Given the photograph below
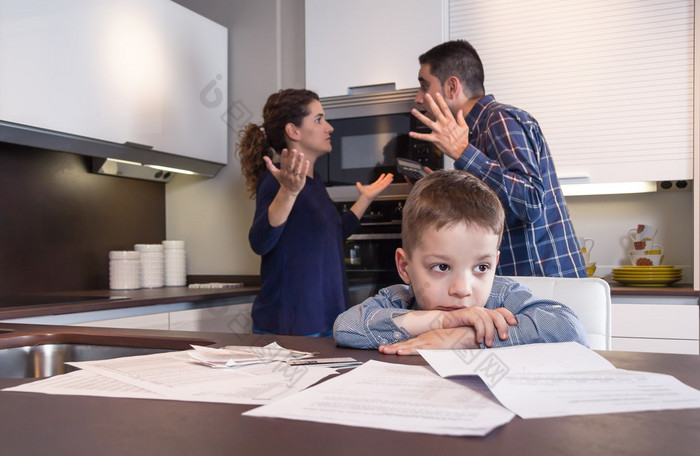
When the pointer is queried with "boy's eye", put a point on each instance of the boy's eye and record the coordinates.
(483, 268)
(442, 267)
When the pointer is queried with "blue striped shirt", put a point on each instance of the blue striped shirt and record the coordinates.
(371, 323)
(508, 151)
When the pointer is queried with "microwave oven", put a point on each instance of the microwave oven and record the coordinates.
(370, 131)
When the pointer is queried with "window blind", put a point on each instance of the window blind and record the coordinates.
(610, 82)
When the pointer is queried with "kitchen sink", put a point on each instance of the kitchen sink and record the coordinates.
(45, 355)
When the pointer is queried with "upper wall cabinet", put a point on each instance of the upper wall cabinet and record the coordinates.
(368, 42)
(147, 73)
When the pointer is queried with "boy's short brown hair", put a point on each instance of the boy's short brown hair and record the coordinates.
(447, 198)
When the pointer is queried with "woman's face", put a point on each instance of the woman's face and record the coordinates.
(315, 131)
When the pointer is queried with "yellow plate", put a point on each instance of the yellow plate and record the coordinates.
(663, 271)
(648, 282)
(616, 277)
(647, 274)
(647, 271)
(668, 271)
(650, 268)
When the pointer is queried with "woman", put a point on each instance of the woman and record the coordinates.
(297, 230)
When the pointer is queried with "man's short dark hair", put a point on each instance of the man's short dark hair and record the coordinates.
(457, 58)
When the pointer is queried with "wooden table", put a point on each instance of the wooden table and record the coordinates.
(46, 424)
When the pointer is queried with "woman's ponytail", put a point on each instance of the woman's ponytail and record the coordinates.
(253, 146)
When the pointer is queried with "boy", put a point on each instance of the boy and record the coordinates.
(451, 231)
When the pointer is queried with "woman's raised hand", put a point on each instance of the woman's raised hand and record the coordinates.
(291, 174)
(370, 191)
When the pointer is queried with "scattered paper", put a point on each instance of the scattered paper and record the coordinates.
(84, 383)
(395, 397)
(236, 356)
(174, 375)
(547, 380)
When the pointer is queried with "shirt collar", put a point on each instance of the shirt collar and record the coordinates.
(477, 110)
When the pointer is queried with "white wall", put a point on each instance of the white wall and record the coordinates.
(266, 53)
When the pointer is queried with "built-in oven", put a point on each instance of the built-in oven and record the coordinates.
(369, 132)
(370, 251)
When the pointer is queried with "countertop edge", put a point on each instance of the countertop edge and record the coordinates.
(136, 298)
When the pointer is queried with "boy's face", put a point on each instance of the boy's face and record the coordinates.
(451, 268)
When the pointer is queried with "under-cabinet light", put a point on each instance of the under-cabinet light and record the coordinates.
(617, 188)
(173, 170)
(116, 160)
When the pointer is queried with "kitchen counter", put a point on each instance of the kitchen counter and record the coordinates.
(617, 289)
(113, 299)
(41, 424)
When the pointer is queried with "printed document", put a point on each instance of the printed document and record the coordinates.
(174, 376)
(396, 397)
(560, 379)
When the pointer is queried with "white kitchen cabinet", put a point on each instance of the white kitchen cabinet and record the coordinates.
(148, 72)
(656, 324)
(154, 321)
(228, 319)
(366, 42)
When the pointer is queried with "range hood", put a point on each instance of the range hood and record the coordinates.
(125, 160)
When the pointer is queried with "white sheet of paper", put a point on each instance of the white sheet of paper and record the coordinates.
(493, 363)
(84, 383)
(548, 380)
(172, 375)
(396, 397)
(591, 393)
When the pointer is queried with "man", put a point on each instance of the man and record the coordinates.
(504, 147)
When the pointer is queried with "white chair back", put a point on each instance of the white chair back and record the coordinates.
(588, 297)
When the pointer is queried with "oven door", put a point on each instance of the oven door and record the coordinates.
(369, 263)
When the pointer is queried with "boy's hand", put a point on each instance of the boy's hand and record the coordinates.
(484, 321)
(437, 339)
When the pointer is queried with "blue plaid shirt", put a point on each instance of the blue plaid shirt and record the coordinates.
(508, 151)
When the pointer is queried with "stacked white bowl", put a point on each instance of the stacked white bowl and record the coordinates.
(151, 265)
(175, 263)
(124, 270)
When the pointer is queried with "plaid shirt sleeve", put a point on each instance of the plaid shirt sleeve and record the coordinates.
(371, 323)
(539, 320)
